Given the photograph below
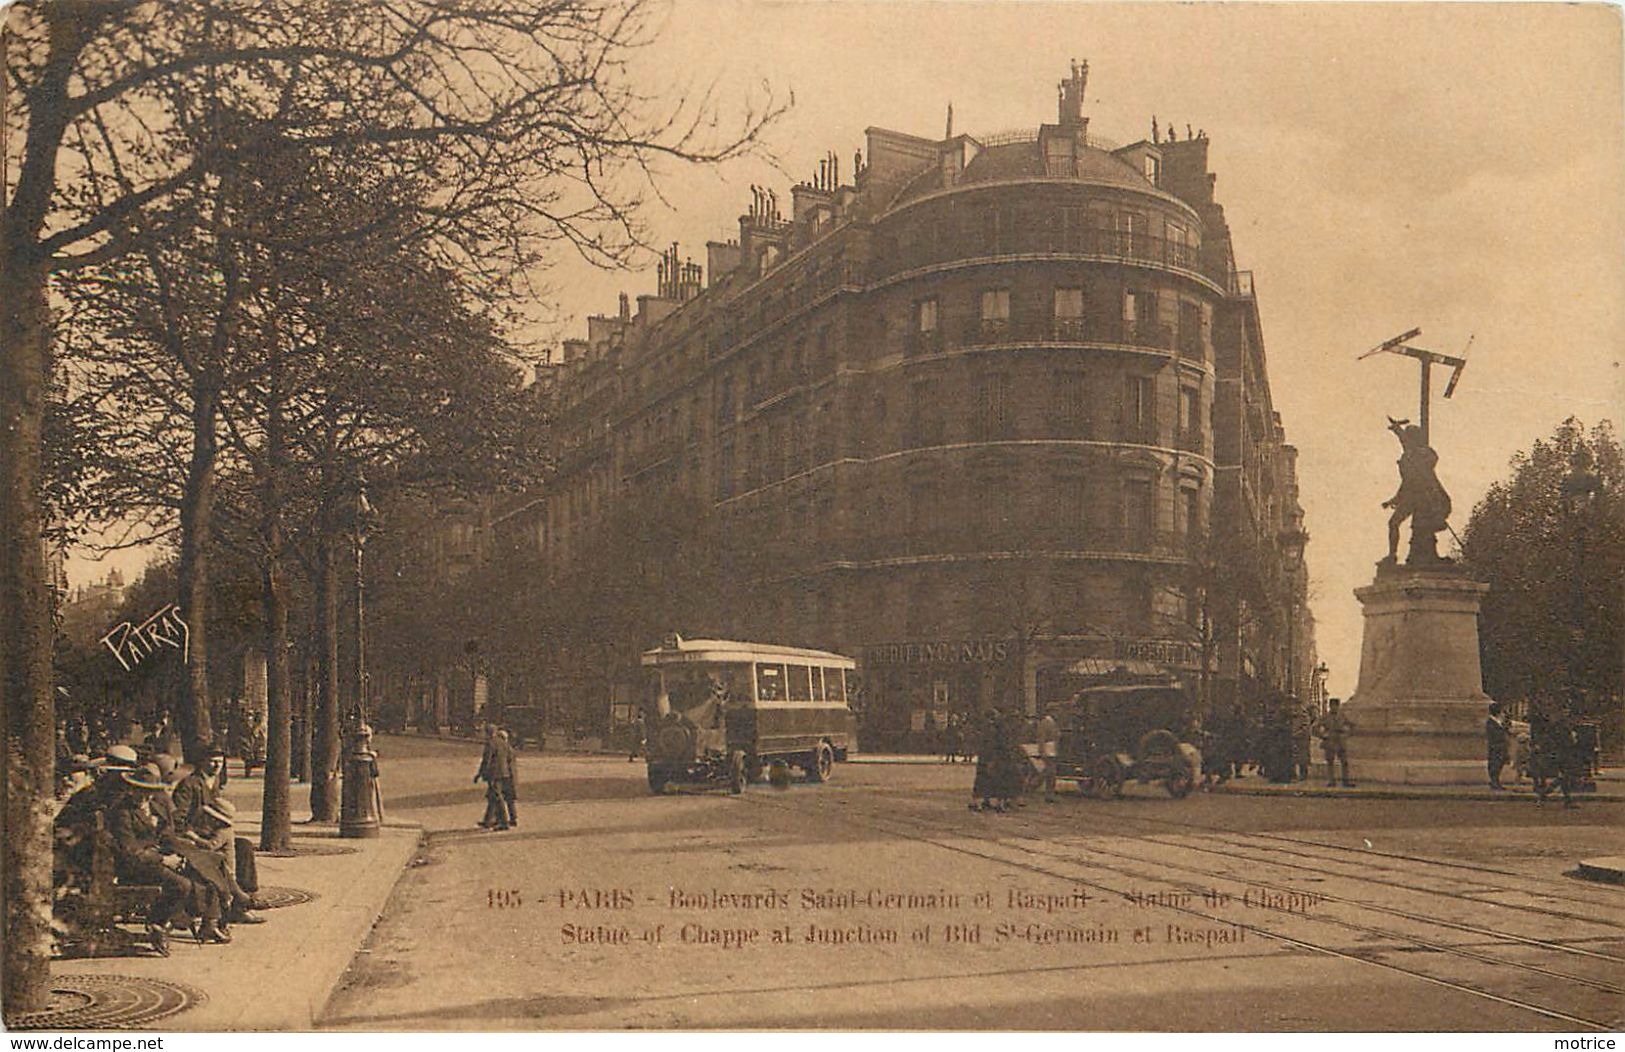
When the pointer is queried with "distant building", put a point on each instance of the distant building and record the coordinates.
(88, 611)
(969, 410)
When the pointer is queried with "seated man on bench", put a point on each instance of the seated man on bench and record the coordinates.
(138, 858)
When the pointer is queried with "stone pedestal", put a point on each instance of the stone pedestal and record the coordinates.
(1420, 706)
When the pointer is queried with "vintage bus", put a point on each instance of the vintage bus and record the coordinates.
(719, 710)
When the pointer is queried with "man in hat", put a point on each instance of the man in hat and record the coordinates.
(82, 806)
(197, 788)
(138, 858)
(1334, 730)
(492, 794)
(1495, 743)
(501, 775)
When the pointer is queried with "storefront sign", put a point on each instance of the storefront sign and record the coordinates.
(1170, 652)
(947, 652)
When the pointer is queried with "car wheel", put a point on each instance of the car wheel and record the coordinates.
(1105, 779)
(1180, 783)
(736, 772)
(823, 764)
(657, 781)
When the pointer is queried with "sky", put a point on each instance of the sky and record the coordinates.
(1453, 167)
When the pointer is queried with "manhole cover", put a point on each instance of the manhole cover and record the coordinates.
(109, 1002)
(306, 849)
(275, 898)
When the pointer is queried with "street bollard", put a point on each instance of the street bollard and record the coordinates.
(358, 810)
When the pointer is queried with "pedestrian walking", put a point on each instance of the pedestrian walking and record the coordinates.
(503, 760)
(1333, 730)
(639, 734)
(1495, 743)
(996, 775)
(492, 794)
(953, 740)
(1552, 741)
(1049, 737)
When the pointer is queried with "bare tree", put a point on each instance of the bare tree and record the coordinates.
(519, 114)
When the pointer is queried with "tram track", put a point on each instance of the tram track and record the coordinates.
(1605, 899)
(1391, 910)
(1050, 864)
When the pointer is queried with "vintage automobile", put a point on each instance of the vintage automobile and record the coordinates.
(1113, 733)
(525, 725)
(720, 711)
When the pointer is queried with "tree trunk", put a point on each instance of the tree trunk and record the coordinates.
(197, 520)
(27, 707)
(301, 725)
(276, 833)
(276, 830)
(27, 715)
(325, 739)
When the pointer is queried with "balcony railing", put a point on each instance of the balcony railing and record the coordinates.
(1047, 238)
(963, 537)
(1068, 330)
(979, 332)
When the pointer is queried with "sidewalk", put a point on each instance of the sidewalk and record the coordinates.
(280, 974)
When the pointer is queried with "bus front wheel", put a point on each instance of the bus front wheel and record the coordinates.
(823, 764)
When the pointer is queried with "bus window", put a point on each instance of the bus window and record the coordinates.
(817, 683)
(688, 687)
(837, 684)
(799, 685)
(769, 682)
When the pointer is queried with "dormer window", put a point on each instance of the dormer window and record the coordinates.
(1153, 169)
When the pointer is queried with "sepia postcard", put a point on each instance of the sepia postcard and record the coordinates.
(662, 515)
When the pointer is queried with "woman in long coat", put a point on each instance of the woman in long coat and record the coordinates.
(990, 748)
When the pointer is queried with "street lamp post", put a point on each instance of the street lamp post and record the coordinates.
(1292, 544)
(358, 805)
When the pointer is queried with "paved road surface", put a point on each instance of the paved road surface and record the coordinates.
(1211, 913)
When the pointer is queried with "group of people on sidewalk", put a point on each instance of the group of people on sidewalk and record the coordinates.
(1275, 741)
(154, 822)
(1556, 758)
(497, 771)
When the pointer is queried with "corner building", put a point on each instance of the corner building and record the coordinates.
(954, 416)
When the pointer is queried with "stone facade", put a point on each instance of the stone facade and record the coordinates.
(964, 412)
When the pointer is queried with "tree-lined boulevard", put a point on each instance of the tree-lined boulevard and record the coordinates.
(271, 279)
